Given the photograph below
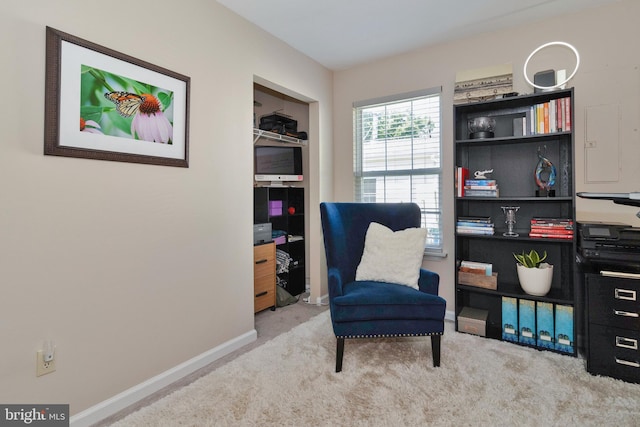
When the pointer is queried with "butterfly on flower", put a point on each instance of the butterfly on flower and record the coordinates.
(127, 104)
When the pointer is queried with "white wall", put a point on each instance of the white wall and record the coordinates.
(133, 269)
(608, 75)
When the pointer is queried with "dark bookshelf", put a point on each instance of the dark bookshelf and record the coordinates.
(513, 159)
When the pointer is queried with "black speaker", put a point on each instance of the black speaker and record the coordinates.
(544, 78)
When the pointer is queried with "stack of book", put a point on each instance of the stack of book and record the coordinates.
(481, 188)
(553, 228)
(481, 225)
(547, 117)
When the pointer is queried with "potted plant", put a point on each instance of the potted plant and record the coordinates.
(534, 275)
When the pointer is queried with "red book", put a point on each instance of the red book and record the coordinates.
(551, 230)
(462, 174)
(552, 236)
(552, 221)
(567, 118)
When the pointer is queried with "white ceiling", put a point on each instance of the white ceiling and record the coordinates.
(340, 34)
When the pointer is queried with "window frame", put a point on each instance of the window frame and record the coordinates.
(360, 177)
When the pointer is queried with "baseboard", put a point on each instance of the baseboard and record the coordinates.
(136, 393)
(322, 300)
(450, 315)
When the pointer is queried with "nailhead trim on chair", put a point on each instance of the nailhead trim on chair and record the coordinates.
(390, 335)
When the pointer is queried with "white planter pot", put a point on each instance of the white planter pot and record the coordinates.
(535, 281)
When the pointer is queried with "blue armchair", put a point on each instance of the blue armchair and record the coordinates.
(366, 309)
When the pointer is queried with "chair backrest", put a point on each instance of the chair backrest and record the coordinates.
(344, 226)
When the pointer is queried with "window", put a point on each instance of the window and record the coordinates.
(398, 155)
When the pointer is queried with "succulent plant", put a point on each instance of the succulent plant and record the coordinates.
(531, 259)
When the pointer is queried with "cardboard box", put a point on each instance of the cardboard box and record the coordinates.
(473, 321)
(510, 319)
(478, 280)
(527, 321)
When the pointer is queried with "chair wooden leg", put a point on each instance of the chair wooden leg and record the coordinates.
(339, 353)
(435, 349)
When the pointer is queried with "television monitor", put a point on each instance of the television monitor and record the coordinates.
(277, 164)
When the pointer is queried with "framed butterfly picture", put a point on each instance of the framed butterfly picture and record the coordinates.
(105, 105)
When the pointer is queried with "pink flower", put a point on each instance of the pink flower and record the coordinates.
(149, 123)
(89, 126)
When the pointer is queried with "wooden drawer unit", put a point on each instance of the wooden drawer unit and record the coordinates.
(264, 276)
(613, 324)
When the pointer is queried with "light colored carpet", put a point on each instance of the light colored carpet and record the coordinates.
(290, 381)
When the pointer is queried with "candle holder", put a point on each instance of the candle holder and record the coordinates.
(510, 220)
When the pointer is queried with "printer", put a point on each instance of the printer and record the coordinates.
(610, 243)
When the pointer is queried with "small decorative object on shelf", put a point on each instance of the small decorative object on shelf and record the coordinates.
(481, 127)
(482, 174)
(534, 275)
(546, 168)
(510, 220)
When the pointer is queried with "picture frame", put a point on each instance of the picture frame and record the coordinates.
(106, 105)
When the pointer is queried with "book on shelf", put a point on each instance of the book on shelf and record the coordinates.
(480, 182)
(482, 193)
(475, 230)
(547, 117)
(552, 226)
(558, 221)
(481, 219)
(552, 222)
(477, 267)
(551, 236)
(471, 270)
(461, 176)
(462, 223)
(551, 230)
(540, 119)
(567, 121)
(480, 187)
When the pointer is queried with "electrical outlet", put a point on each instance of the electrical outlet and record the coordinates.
(42, 367)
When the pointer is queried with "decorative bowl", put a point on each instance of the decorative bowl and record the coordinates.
(481, 127)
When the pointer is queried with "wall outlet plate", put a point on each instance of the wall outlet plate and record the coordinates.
(42, 367)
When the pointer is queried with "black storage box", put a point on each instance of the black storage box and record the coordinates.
(279, 124)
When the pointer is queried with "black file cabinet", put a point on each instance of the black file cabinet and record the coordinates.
(613, 321)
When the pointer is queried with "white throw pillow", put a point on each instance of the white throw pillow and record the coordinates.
(394, 257)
